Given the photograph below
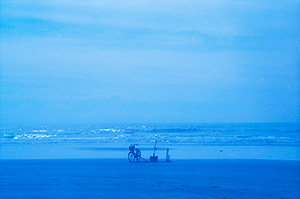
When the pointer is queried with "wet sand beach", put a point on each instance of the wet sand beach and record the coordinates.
(116, 178)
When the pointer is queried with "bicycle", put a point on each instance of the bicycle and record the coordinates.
(134, 154)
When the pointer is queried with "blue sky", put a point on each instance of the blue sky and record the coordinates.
(149, 61)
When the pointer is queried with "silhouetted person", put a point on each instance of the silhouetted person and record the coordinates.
(168, 159)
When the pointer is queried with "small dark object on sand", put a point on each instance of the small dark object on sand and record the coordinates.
(154, 158)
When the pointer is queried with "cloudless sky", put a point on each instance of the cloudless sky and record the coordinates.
(149, 61)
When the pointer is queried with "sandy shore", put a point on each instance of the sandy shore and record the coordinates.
(120, 179)
(107, 151)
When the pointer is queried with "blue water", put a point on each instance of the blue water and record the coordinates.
(89, 141)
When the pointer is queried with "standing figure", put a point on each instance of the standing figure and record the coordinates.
(168, 159)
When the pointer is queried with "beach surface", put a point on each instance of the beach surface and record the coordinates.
(116, 178)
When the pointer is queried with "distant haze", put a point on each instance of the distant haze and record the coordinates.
(149, 61)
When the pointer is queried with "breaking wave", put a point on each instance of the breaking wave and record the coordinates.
(217, 134)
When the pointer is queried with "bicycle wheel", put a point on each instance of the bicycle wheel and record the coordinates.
(131, 157)
(138, 155)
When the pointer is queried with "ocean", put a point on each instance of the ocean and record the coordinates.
(186, 141)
